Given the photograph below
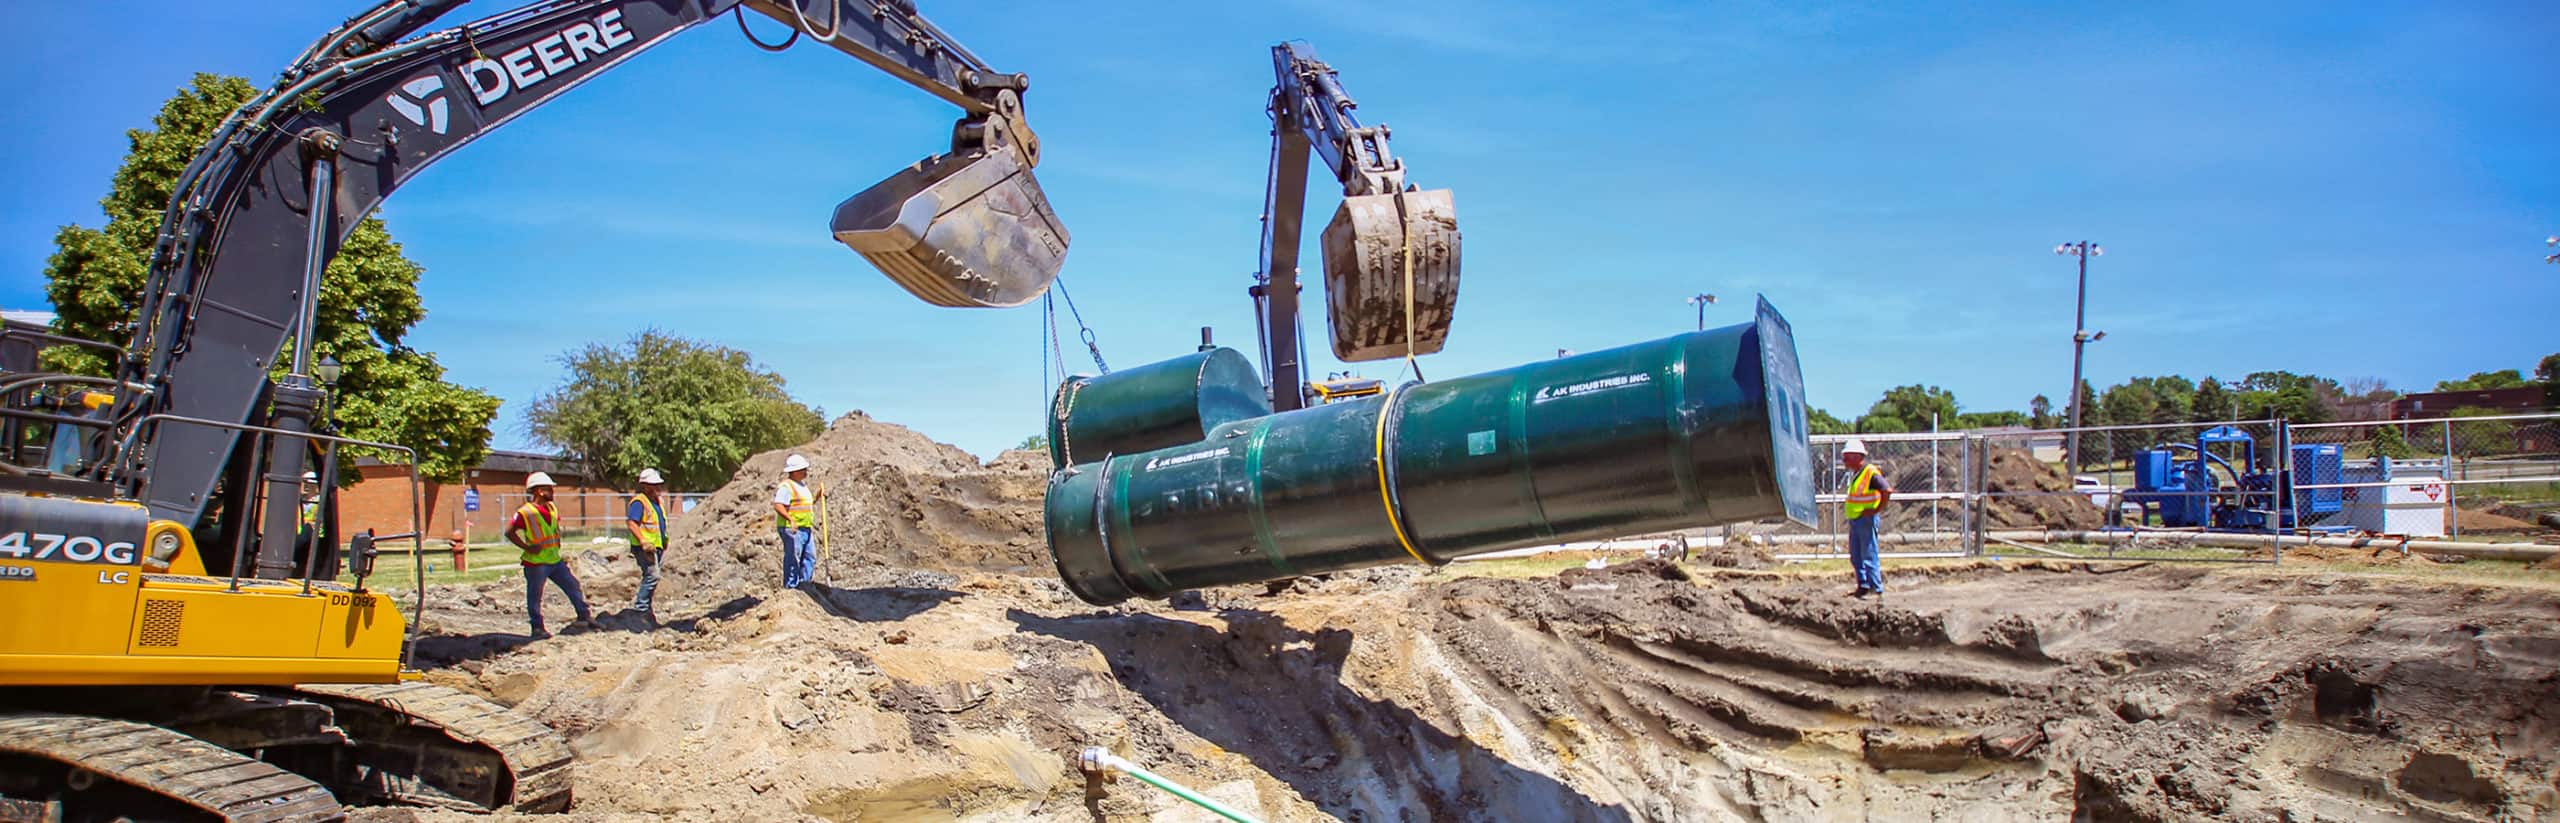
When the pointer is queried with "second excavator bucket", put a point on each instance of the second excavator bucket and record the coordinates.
(1367, 249)
(959, 230)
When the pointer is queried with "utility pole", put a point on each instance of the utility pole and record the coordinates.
(1701, 301)
(2080, 338)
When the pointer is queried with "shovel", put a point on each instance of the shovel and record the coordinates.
(1391, 273)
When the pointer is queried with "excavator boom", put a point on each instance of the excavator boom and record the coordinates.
(1390, 251)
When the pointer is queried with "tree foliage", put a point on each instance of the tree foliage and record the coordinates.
(1913, 408)
(2548, 373)
(1037, 443)
(2040, 412)
(368, 297)
(2486, 380)
(1822, 422)
(694, 411)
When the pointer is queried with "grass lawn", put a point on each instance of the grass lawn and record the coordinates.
(395, 571)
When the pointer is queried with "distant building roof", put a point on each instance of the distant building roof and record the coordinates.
(2441, 403)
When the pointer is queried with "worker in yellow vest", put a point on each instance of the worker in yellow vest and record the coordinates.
(795, 517)
(1868, 494)
(646, 518)
(535, 530)
(310, 512)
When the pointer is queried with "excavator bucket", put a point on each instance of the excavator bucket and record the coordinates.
(1380, 250)
(963, 231)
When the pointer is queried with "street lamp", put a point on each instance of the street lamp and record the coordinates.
(1702, 301)
(328, 370)
(2080, 338)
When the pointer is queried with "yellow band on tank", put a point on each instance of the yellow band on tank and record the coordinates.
(1395, 520)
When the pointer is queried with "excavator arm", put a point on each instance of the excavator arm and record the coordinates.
(258, 213)
(1390, 252)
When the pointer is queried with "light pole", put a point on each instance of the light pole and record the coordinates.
(2080, 338)
(1702, 301)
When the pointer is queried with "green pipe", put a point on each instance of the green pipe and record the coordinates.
(1097, 760)
(1693, 430)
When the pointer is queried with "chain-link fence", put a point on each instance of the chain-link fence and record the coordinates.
(2234, 491)
(2430, 478)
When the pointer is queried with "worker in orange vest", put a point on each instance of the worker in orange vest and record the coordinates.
(1868, 493)
(646, 518)
(535, 530)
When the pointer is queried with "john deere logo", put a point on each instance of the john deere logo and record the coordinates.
(422, 100)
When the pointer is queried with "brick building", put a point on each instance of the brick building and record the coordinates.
(2522, 400)
(379, 498)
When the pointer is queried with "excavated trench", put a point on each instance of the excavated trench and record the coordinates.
(2025, 692)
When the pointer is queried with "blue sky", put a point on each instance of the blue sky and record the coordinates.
(2346, 189)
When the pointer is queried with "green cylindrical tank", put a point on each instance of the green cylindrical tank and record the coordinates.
(1152, 406)
(1693, 430)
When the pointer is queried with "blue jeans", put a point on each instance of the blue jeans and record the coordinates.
(648, 559)
(535, 575)
(1865, 554)
(799, 556)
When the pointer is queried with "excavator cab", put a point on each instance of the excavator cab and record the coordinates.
(1390, 260)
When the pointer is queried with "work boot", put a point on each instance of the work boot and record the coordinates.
(539, 633)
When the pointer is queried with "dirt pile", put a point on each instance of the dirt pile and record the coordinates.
(2026, 493)
(2477, 521)
(895, 499)
(1641, 691)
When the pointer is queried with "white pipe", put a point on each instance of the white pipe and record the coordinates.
(1097, 760)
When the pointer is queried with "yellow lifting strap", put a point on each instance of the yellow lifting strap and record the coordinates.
(1395, 519)
(1404, 221)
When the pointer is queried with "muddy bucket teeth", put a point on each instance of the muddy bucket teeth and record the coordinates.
(1365, 247)
(971, 231)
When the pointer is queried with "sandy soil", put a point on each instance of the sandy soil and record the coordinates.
(939, 673)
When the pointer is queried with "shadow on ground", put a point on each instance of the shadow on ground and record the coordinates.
(883, 604)
(1275, 694)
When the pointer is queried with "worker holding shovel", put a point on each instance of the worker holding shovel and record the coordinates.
(795, 508)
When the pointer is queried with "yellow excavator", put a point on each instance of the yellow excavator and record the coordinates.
(172, 641)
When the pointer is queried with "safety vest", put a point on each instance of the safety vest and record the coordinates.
(799, 514)
(310, 515)
(541, 530)
(1863, 497)
(653, 528)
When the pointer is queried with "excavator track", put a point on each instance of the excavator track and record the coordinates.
(105, 769)
(429, 745)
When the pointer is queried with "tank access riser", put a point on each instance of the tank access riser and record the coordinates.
(138, 768)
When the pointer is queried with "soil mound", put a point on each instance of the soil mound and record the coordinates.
(895, 498)
(2027, 493)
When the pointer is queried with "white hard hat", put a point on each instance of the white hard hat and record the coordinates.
(309, 477)
(1856, 447)
(795, 463)
(649, 477)
(538, 480)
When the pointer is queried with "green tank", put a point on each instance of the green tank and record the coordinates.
(1693, 430)
(1152, 406)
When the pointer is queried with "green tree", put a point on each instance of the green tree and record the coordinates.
(2485, 437)
(1991, 420)
(2388, 442)
(694, 411)
(2480, 381)
(2040, 412)
(1821, 422)
(2299, 398)
(368, 297)
(2212, 403)
(1037, 443)
(1911, 409)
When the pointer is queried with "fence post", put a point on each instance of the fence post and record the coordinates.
(2453, 508)
(2278, 509)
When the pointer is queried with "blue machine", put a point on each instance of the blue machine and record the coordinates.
(2218, 483)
